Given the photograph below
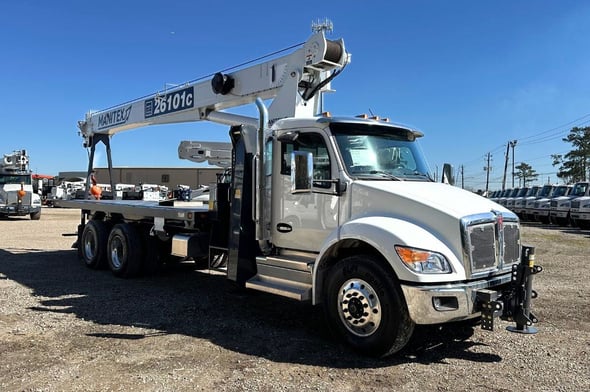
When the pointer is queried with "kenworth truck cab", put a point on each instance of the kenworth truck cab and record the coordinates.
(17, 197)
(340, 212)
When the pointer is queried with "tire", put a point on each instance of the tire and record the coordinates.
(92, 245)
(36, 215)
(361, 282)
(124, 251)
(562, 222)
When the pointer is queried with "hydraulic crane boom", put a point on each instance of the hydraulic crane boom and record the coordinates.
(293, 81)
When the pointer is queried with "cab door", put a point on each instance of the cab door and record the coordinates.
(303, 220)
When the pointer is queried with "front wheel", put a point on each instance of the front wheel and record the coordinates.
(363, 304)
(583, 224)
(36, 215)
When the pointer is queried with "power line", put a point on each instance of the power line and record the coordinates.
(530, 140)
(557, 127)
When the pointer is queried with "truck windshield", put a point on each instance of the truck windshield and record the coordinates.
(559, 191)
(380, 152)
(14, 179)
(579, 189)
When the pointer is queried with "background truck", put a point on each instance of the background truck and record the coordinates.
(529, 203)
(561, 206)
(580, 206)
(340, 212)
(542, 206)
(17, 197)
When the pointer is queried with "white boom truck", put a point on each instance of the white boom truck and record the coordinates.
(339, 212)
(16, 187)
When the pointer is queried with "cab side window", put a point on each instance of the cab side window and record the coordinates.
(314, 143)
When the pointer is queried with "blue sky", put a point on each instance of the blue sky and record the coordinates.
(471, 75)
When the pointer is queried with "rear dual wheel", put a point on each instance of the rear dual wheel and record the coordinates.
(124, 250)
(92, 244)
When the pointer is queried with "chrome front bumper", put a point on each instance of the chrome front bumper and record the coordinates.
(13, 210)
(449, 302)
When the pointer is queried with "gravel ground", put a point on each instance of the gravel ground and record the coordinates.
(64, 327)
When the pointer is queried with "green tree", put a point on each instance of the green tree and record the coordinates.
(525, 173)
(575, 165)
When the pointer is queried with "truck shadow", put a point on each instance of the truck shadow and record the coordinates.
(183, 301)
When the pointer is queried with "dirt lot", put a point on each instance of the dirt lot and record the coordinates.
(64, 327)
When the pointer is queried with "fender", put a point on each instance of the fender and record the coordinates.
(382, 233)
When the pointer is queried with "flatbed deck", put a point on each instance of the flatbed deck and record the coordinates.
(176, 209)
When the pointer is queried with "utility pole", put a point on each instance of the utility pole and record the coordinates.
(462, 177)
(506, 167)
(512, 144)
(487, 168)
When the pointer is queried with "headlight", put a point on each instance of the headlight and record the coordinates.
(564, 205)
(585, 206)
(423, 261)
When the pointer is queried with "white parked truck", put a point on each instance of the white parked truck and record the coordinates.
(542, 206)
(17, 197)
(529, 203)
(561, 206)
(336, 211)
(580, 207)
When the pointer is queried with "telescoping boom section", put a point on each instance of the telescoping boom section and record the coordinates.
(293, 82)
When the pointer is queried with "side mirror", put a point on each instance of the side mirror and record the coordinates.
(301, 172)
(447, 174)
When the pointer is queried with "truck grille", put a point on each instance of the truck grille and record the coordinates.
(491, 243)
(482, 241)
(553, 203)
(11, 198)
(575, 204)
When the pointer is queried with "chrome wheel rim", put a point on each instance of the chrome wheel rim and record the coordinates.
(116, 252)
(359, 307)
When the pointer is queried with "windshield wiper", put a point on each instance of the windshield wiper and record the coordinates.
(418, 174)
(372, 174)
(385, 174)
